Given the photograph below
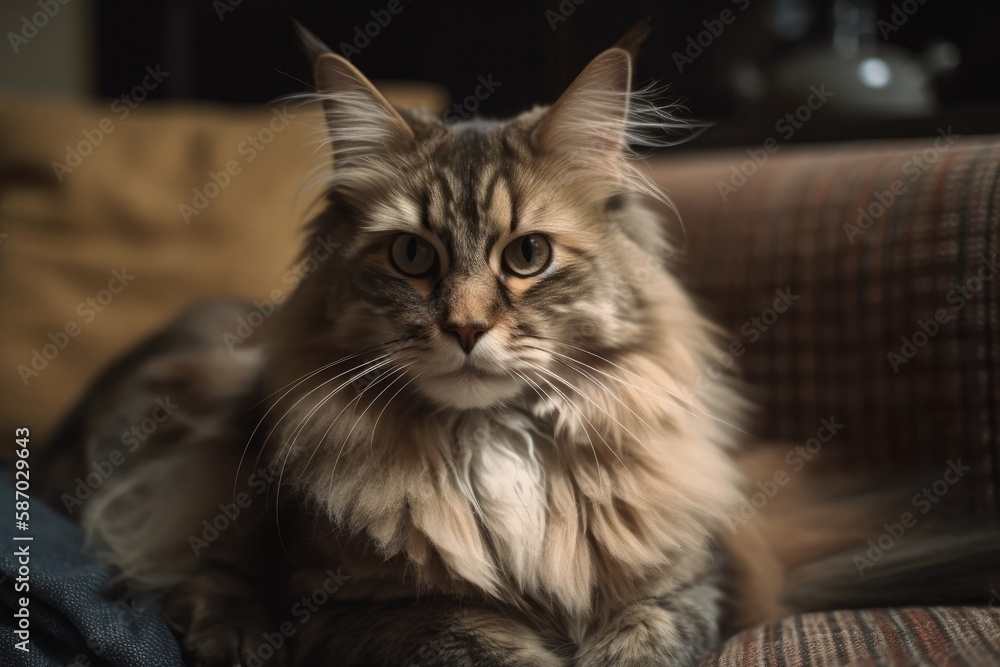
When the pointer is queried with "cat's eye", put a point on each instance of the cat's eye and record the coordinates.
(412, 255)
(527, 256)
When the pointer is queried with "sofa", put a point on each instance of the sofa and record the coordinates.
(854, 284)
(889, 251)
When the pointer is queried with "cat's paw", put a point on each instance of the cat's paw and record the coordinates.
(420, 635)
(647, 634)
(223, 632)
(229, 645)
(481, 649)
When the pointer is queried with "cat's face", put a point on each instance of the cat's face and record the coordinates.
(480, 255)
(483, 264)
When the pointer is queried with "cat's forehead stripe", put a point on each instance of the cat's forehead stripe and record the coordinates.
(425, 209)
(467, 195)
(470, 196)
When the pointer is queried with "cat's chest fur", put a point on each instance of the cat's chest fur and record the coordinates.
(500, 462)
(461, 504)
(503, 503)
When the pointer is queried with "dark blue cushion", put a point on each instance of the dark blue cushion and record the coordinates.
(77, 616)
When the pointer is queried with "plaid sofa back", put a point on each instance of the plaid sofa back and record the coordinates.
(858, 285)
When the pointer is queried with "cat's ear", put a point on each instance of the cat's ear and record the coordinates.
(591, 117)
(359, 119)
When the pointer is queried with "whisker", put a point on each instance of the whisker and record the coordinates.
(382, 361)
(325, 366)
(609, 393)
(298, 429)
(375, 426)
(302, 424)
(291, 387)
(541, 392)
(293, 436)
(594, 403)
(619, 367)
(322, 438)
(271, 432)
(631, 372)
(402, 373)
(580, 413)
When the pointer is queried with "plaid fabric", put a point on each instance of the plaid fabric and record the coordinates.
(889, 252)
(942, 637)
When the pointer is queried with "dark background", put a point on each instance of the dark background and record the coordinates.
(248, 53)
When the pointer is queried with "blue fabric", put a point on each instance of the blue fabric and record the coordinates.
(76, 619)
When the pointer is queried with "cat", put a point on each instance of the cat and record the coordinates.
(469, 429)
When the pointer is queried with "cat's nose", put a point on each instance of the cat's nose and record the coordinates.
(467, 334)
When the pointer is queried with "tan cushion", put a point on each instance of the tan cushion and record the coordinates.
(92, 263)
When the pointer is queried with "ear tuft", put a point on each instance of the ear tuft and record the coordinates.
(313, 45)
(637, 35)
(592, 115)
(590, 130)
(360, 121)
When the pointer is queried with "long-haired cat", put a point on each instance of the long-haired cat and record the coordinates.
(470, 429)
